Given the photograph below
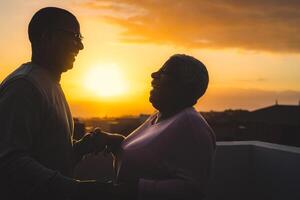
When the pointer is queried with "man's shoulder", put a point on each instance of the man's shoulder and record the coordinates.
(20, 79)
(35, 75)
(20, 92)
(21, 72)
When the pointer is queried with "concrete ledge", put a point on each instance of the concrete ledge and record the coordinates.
(262, 144)
(255, 170)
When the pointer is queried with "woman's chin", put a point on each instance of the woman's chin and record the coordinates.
(153, 102)
(151, 99)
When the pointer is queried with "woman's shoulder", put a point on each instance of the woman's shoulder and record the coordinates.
(193, 121)
(191, 115)
(198, 126)
(185, 121)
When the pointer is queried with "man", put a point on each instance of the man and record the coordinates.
(37, 153)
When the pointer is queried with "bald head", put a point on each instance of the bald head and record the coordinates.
(55, 39)
(47, 19)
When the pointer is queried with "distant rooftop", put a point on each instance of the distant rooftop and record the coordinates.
(277, 114)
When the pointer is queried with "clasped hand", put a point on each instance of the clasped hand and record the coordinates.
(97, 141)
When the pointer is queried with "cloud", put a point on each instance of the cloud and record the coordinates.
(263, 25)
(252, 80)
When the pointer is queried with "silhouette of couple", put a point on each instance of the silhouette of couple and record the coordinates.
(168, 157)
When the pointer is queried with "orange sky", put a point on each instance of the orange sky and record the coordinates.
(251, 49)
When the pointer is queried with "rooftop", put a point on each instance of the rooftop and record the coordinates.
(243, 170)
(277, 114)
(255, 170)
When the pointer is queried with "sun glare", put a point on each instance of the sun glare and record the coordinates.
(105, 81)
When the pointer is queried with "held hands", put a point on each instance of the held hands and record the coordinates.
(113, 141)
(97, 141)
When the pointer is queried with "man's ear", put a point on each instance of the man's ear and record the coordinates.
(47, 38)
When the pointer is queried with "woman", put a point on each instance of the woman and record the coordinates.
(169, 156)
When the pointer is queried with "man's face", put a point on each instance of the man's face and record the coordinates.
(64, 46)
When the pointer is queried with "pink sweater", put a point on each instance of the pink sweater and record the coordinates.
(171, 159)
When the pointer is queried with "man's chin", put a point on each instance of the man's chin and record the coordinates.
(67, 67)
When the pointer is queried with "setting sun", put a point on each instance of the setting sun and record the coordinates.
(105, 80)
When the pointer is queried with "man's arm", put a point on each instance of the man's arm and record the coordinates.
(20, 120)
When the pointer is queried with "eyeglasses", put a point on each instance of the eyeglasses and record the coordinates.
(76, 36)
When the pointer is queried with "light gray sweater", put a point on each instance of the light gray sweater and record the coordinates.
(36, 127)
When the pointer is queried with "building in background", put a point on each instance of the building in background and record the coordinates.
(276, 124)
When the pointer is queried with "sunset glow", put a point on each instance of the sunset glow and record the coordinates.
(105, 81)
(252, 53)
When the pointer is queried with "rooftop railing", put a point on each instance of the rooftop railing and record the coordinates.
(255, 170)
(245, 170)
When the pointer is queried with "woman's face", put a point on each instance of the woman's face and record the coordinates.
(178, 84)
(166, 88)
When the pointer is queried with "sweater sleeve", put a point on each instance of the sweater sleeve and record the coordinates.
(188, 161)
(20, 121)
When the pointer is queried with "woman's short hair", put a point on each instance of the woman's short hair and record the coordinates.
(192, 75)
